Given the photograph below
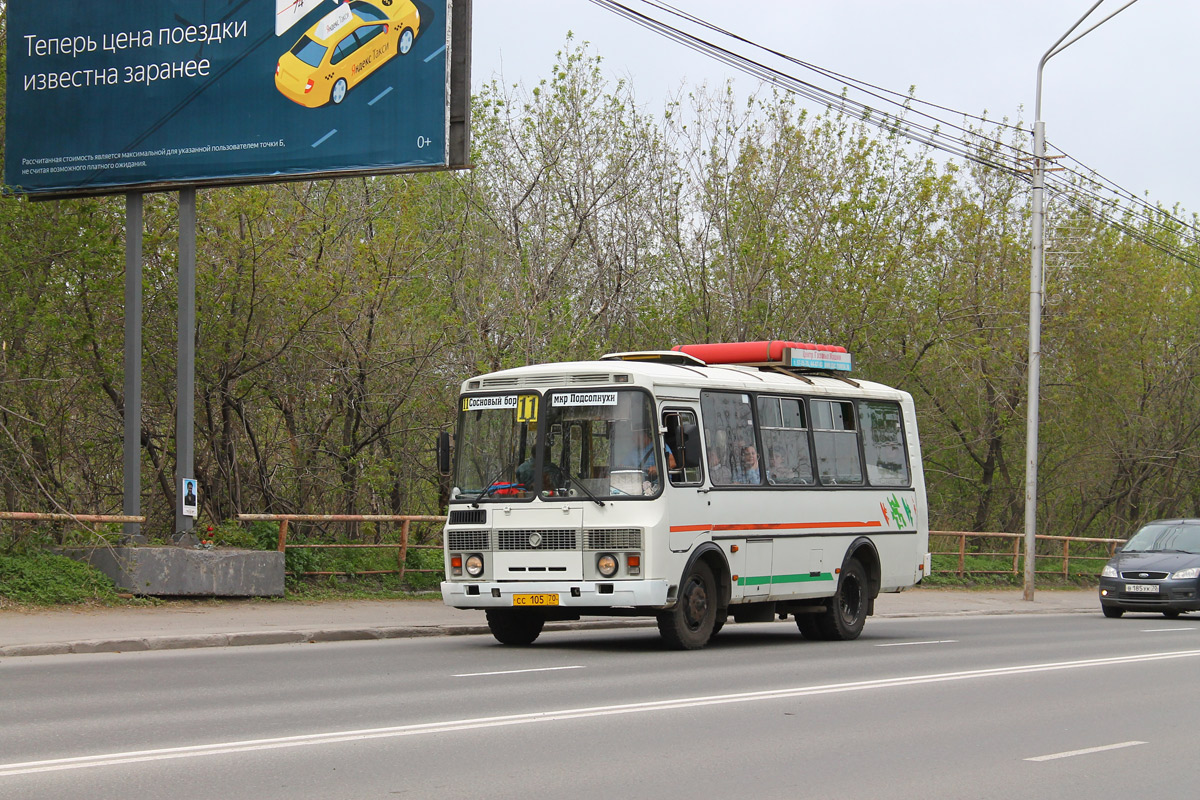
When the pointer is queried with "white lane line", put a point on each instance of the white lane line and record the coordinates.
(379, 96)
(909, 644)
(1165, 630)
(449, 726)
(514, 671)
(434, 54)
(321, 141)
(1085, 751)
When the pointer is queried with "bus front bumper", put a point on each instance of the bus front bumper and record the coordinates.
(568, 594)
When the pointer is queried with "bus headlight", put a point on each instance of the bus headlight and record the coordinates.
(607, 564)
(474, 565)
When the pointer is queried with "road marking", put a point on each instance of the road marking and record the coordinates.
(907, 644)
(514, 671)
(1165, 630)
(480, 723)
(434, 54)
(1085, 751)
(379, 96)
(321, 141)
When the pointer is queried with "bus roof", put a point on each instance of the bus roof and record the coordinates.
(663, 375)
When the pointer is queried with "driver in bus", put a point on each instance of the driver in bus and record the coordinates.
(552, 476)
(641, 456)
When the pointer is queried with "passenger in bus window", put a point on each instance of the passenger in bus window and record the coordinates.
(781, 471)
(718, 473)
(747, 471)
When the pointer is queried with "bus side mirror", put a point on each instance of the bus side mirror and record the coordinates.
(443, 453)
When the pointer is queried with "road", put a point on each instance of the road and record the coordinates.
(949, 707)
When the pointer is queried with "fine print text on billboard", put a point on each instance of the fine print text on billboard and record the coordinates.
(161, 93)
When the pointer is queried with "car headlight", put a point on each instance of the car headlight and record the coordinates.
(1185, 574)
(474, 565)
(607, 564)
(1109, 571)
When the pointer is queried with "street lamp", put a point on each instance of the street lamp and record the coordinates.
(1035, 296)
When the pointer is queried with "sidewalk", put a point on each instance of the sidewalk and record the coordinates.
(207, 623)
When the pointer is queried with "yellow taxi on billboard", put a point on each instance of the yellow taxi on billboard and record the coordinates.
(345, 46)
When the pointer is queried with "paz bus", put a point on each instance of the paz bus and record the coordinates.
(747, 480)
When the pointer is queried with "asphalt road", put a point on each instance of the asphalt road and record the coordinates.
(952, 707)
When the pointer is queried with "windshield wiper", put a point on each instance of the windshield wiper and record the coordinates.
(578, 482)
(491, 483)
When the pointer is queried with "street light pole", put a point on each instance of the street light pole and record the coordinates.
(1036, 281)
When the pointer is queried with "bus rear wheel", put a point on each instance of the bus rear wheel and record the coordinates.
(690, 624)
(846, 613)
(511, 626)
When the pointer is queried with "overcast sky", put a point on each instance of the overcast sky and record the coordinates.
(1123, 100)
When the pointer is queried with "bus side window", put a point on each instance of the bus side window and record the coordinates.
(883, 443)
(836, 440)
(729, 438)
(785, 440)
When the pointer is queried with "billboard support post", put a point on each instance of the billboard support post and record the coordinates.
(185, 365)
(132, 402)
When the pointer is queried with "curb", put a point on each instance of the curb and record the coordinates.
(252, 638)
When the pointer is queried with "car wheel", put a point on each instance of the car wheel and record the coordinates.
(689, 625)
(846, 613)
(511, 626)
(339, 91)
(1172, 613)
(406, 41)
(1112, 612)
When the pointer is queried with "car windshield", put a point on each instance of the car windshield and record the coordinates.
(566, 444)
(605, 442)
(309, 51)
(497, 438)
(1157, 537)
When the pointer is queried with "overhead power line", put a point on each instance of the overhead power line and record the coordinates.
(924, 123)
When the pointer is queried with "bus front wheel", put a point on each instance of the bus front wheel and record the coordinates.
(846, 613)
(511, 626)
(690, 624)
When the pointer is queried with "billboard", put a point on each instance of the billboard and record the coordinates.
(157, 94)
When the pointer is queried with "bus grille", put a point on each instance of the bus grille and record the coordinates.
(468, 540)
(474, 516)
(552, 539)
(612, 539)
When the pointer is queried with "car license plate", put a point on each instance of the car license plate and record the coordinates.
(1142, 588)
(535, 599)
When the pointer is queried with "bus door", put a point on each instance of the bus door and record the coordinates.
(687, 505)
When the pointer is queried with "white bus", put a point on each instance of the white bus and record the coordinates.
(750, 480)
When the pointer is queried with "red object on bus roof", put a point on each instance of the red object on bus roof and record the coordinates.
(749, 352)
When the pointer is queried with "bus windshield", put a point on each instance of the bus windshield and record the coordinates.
(581, 444)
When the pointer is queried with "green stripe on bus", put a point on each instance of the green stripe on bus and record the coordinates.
(762, 580)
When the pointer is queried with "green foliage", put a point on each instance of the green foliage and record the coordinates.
(39, 578)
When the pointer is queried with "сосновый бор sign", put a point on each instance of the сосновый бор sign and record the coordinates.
(178, 92)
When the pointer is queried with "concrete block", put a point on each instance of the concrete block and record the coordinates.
(184, 572)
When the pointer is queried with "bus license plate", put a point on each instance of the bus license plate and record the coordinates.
(1145, 588)
(535, 599)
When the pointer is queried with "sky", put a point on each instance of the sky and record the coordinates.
(1123, 100)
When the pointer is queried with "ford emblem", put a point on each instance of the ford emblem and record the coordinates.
(535, 539)
(1140, 574)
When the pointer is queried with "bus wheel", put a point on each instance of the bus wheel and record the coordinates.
(807, 624)
(689, 625)
(510, 626)
(847, 612)
(718, 623)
